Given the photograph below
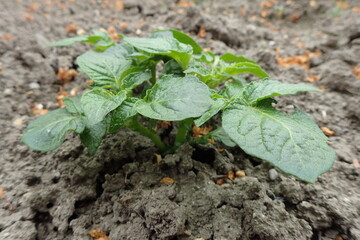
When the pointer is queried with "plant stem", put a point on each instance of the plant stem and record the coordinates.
(153, 73)
(182, 134)
(136, 126)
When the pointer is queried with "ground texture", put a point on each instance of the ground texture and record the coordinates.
(66, 193)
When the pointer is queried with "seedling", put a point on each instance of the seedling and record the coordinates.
(193, 86)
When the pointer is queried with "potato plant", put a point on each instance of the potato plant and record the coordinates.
(194, 85)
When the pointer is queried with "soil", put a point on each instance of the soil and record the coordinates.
(65, 193)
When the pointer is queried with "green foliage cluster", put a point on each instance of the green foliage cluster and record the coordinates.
(194, 86)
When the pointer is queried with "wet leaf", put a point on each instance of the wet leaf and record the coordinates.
(220, 135)
(181, 37)
(257, 91)
(92, 136)
(293, 143)
(216, 107)
(98, 102)
(73, 105)
(133, 77)
(104, 68)
(118, 116)
(234, 88)
(231, 58)
(70, 41)
(175, 99)
(47, 132)
(228, 70)
(163, 46)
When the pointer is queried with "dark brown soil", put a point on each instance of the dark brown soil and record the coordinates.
(66, 193)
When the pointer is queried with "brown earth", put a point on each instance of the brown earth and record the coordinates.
(65, 193)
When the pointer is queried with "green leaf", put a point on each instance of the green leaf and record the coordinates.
(92, 136)
(135, 76)
(118, 117)
(104, 68)
(172, 67)
(231, 58)
(207, 57)
(73, 105)
(98, 102)
(199, 69)
(69, 41)
(174, 99)
(181, 37)
(217, 106)
(101, 40)
(220, 135)
(256, 91)
(240, 68)
(235, 87)
(163, 46)
(293, 143)
(48, 132)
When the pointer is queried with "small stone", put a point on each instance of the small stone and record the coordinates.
(18, 122)
(171, 159)
(240, 173)
(220, 181)
(167, 180)
(39, 106)
(34, 85)
(327, 131)
(230, 175)
(273, 174)
(226, 185)
(80, 31)
(8, 92)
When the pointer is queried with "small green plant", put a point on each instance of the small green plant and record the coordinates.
(128, 90)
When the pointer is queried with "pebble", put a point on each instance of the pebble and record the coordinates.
(240, 174)
(34, 85)
(273, 174)
(8, 92)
